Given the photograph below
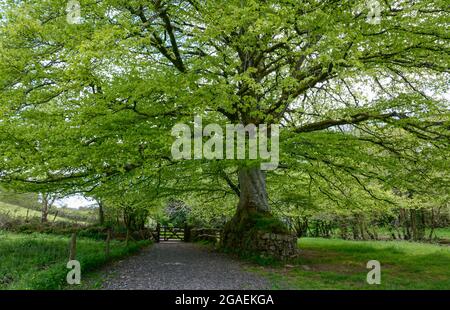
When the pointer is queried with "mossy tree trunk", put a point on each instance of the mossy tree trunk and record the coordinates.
(252, 214)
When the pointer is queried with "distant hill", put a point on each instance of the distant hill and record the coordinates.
(85, 216)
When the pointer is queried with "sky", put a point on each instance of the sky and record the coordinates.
(75, 202)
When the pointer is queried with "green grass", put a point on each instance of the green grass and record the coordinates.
(38, 261)
(443, 233)
(341, 264)
(15, 211)
(440, 233)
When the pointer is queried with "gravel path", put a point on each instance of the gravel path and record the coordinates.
(179, 265)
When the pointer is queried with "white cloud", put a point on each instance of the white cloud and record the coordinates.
(75, 202)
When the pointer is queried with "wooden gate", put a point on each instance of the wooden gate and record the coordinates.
(167, 233)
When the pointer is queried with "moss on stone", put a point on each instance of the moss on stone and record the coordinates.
(243, 232)
(250, 220)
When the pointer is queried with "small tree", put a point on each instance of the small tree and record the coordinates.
(47, 201)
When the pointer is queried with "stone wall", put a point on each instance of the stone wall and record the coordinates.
(281, 246)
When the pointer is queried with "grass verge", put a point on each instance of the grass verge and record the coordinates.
(38, 261)
(341, 264)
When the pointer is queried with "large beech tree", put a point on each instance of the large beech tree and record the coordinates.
(90, 106)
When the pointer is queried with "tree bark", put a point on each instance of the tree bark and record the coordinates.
(252, 218)
(47, 202)
(253, 193)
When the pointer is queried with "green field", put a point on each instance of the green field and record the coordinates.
(341, 264)
(38, 261)
(19, 212)
(439, 233)
(443, 233)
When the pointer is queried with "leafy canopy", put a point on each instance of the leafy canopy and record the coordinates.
(88, 107)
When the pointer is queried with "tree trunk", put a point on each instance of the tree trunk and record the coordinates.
(47, 202)
(253, 218)
(253, 193)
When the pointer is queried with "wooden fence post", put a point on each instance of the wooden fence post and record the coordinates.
(73, 246)
(108, 240)
(128, 237)
(158, 232)
(56, 214)
(187, 233)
